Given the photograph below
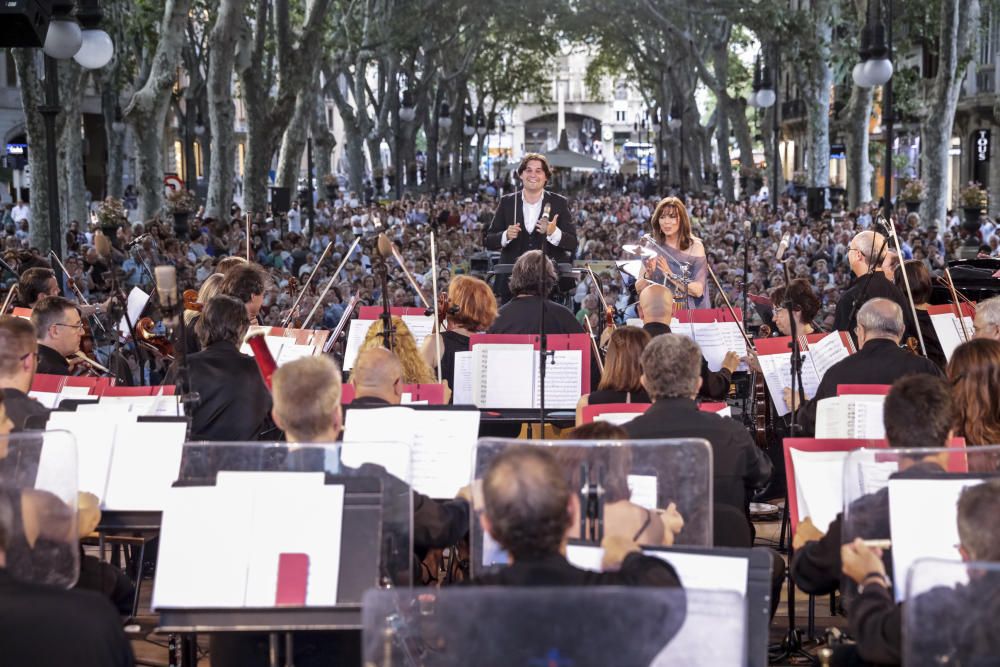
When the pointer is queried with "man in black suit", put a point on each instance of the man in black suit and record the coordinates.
(670, 373)
(531, 219)
(18, 355)
(86, 626)
(867, 249)
(530, 510)
(233, 401)
(59, 329)
(879, 359)
(378, 378)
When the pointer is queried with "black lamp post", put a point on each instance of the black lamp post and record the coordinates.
(766, 97)
(875, 69)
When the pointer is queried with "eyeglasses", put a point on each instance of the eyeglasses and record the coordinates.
(78, 326)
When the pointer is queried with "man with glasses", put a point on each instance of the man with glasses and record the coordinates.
(18, 354)
(987, 321)
(59, 330)
(866, 250)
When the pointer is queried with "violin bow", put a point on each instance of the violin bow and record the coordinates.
(302, 292)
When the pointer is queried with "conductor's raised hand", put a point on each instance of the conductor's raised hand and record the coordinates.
(513, 231)
(551, 229)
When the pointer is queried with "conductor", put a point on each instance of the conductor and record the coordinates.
(532, 219)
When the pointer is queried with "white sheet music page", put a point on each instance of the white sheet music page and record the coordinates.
(137, 300)
(716, 339)
(503, 375)
(443, 453)
(95, 439)
(366, 428)
(213, 575)
(462, 391)
(827, 351)
(777, 369)
(563, 380)
(854, 416)
(356, 332)
(643, 490)
(949, 331)
(291, 351)
(145, 464)
(819, 485)
(420, 326)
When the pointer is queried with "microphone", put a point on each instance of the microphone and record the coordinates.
(166, 286)
(782, 247)
(384, 246)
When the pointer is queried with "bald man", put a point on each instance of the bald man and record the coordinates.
(377, 377)
(879, 360)
(987, 321)
(867, 249)
(656, 308)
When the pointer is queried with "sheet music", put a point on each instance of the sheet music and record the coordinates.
(923, 518)
(421, 326)
(442, 445)
(47, 398)
(819, 485)
(136, 303)
(616, 418)
(290, 352)
(777, 369)
(503, 375)
(214, 575)
(356, 332)
(144, 466)
(949, 331)
(563, 379)
(716, 339)
(462, 391)
(95, 440)
(856, 416)
(827, 351)
(643, 490)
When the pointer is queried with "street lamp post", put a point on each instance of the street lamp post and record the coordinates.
(444, 124)
(676, 124)
(875, 69)
(766, 97)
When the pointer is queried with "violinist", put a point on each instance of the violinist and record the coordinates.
(620, 381)
(18, 355)
(247, 282)
(38, 282)
(920, 286)
(59, 329)
(805, 306)
(208, 289)
(469, 308)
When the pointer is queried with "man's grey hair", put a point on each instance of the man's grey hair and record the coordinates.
(524, 276)
(989, 311)
(882, 318)
(671, 365)
(872, 245)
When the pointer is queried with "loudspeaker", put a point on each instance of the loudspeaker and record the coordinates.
(281, 200)
(24, 23)
(817, 201)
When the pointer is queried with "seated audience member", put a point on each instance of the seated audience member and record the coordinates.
(620, 381)
(670, 375)
(59, 330)
(974, 373)
(47, 626)
(233, 401)
(471, 310)
(876, 620)
(404, 346)
(656, 309)
(377, 377)
(18, 356)
(879, 359)
(921, 287)
(621, 515)
(918, 412)
(987, 320)
(530, 510)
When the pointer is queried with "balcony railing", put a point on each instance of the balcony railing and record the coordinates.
(986, 79)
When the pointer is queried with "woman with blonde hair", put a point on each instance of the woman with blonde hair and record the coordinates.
(684, 268)
(208, 289)
(471, 309)
(415, 368)
(620, 382)
(974, 373)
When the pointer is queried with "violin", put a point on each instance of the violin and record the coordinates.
(191, 301)
(160, 344)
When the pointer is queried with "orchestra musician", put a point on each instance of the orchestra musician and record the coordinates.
(415, 367)
(38, 282)
(472, 308)
(987, 320)
(247, 282)
(208, 289)
(865, 254)
(521, 314)
(59, 328)
(377, 377)
(921, 287)
(879, 359)
(805, 306)
(620, 381)
(18, 356)
(686, 271)
(233, 402)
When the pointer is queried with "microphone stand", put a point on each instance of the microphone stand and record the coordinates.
(388, 330)
(187, 398)
(542, 338)
(746, 274)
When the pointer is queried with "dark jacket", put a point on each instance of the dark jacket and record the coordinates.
(45, 626)
(554, 570)
(714, 384)
(816, 567)
(51, 362)
(521, 316)
(368, 401)
(738, 465)
(511, 205)
(860, 292)
(20, 406)
(880, 361)
(233, 404)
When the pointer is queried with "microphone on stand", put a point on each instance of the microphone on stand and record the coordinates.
(166, 288)
(543, 221)
(782, 247)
